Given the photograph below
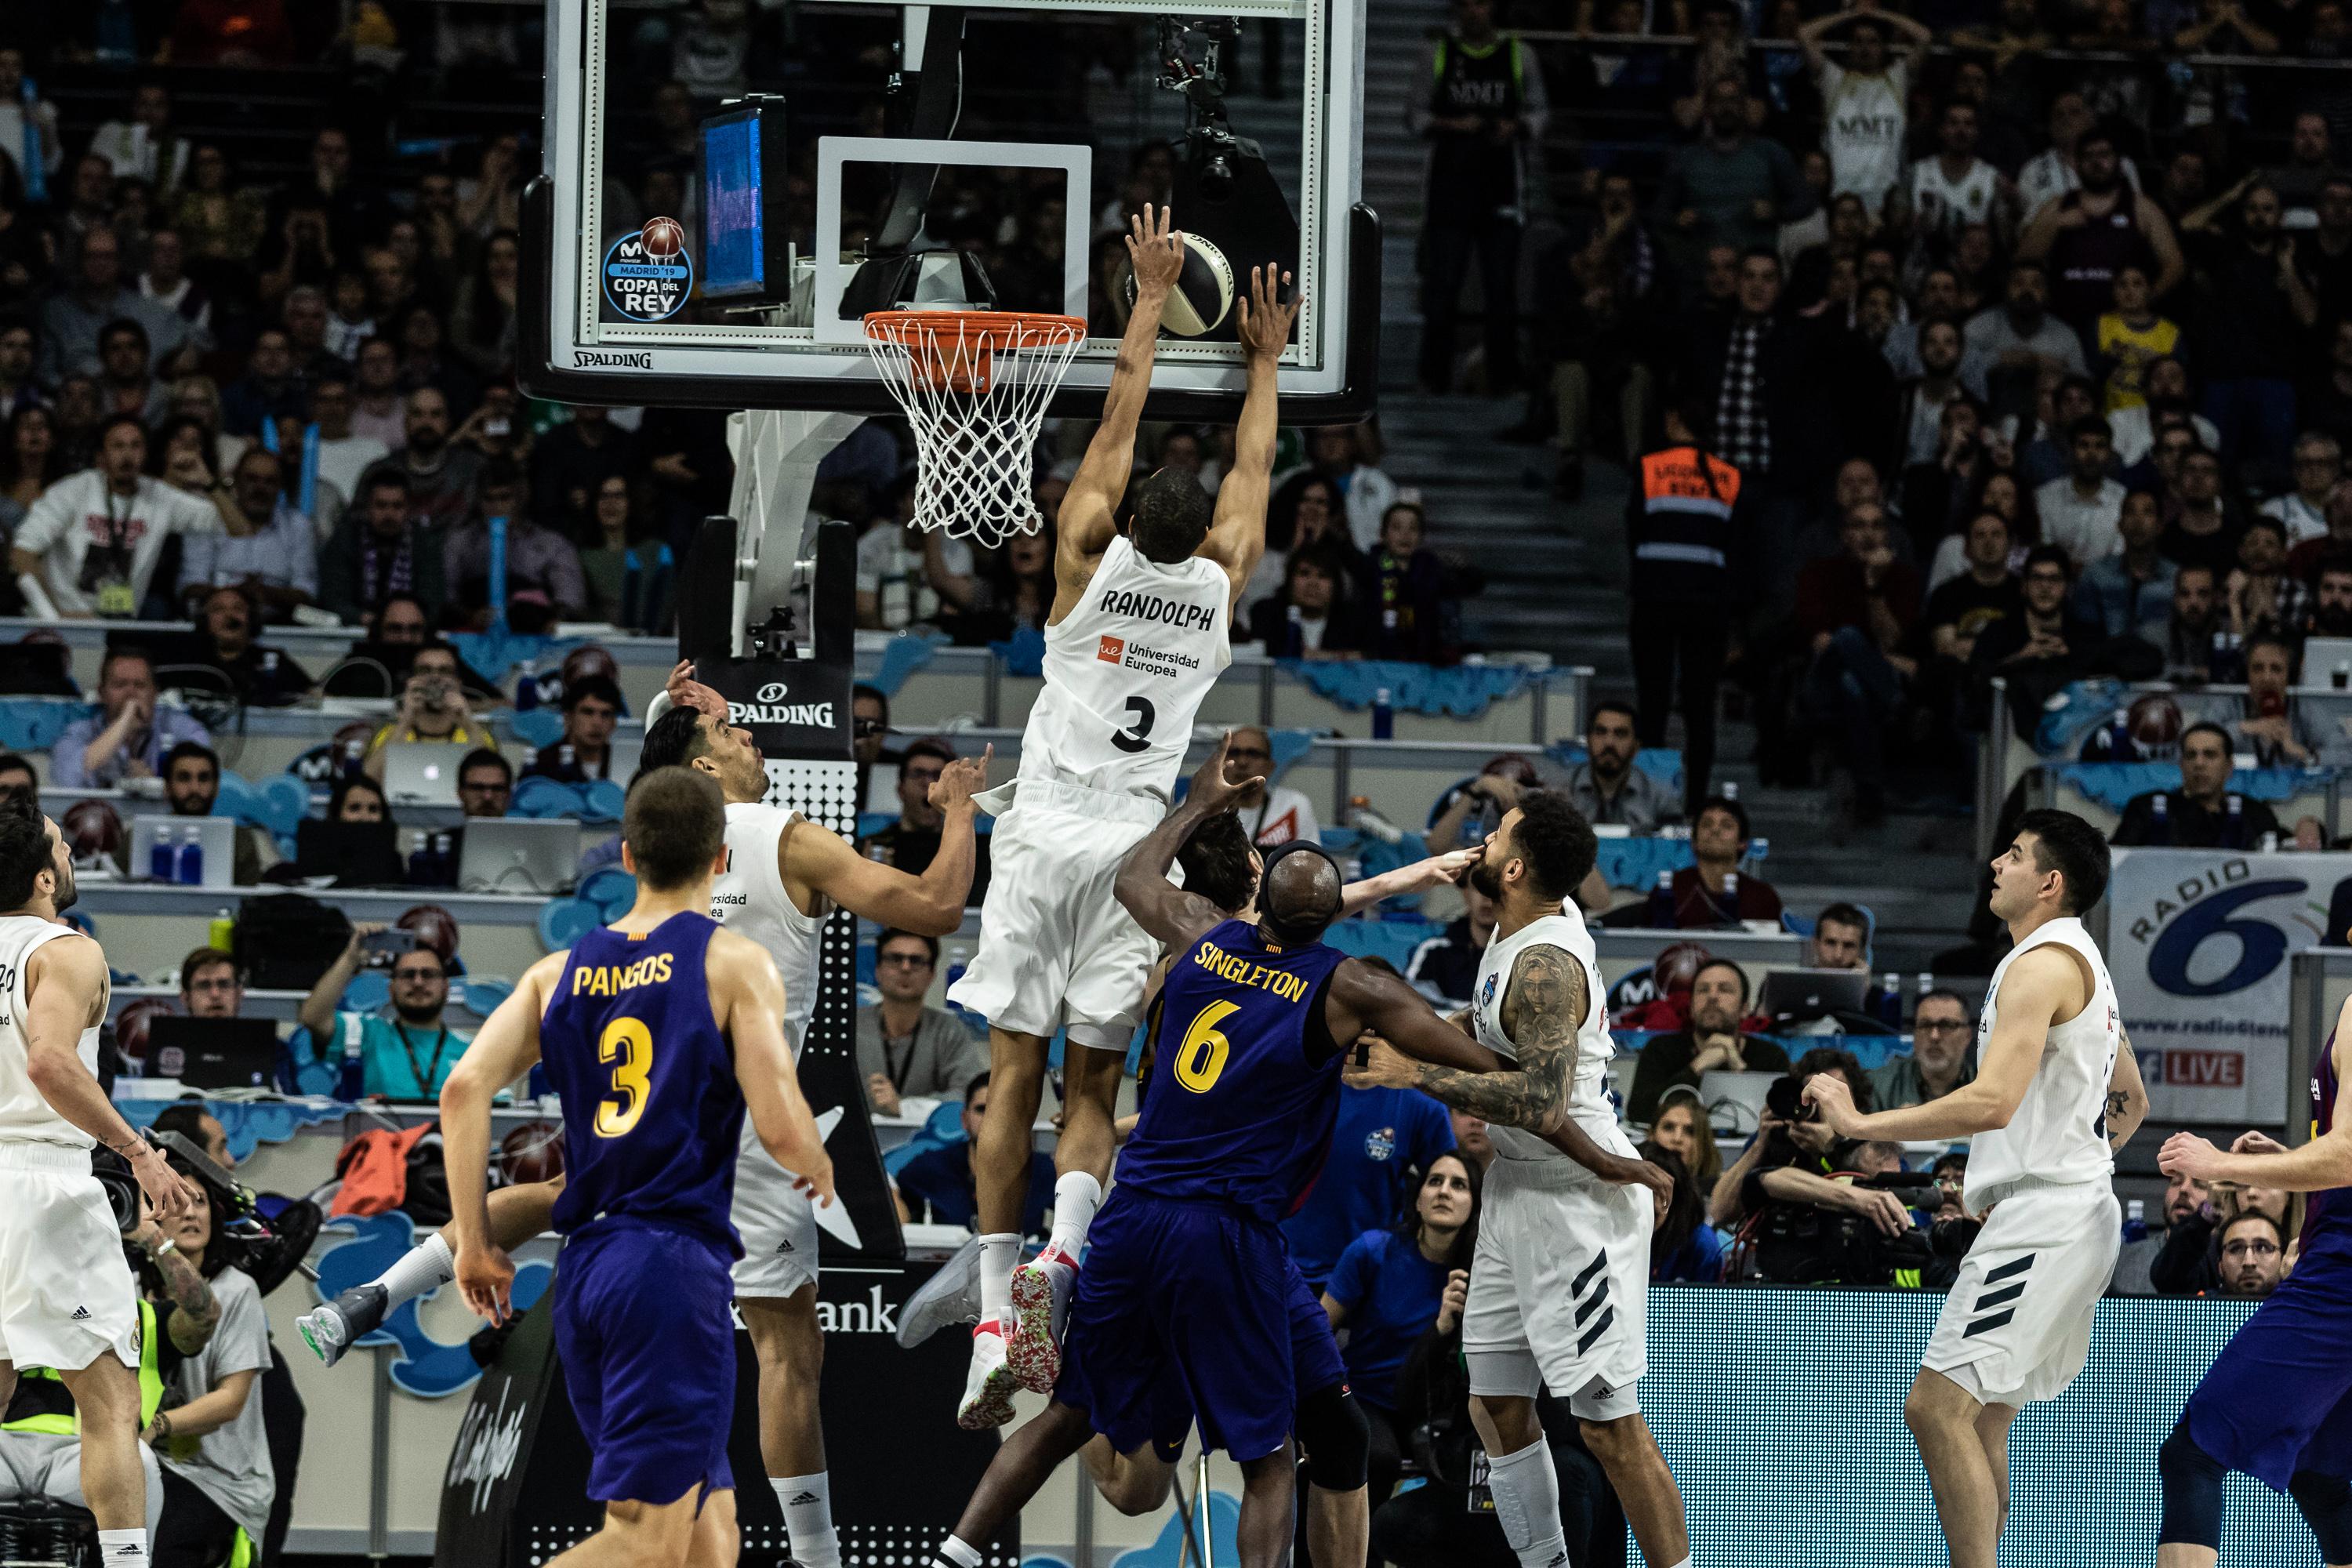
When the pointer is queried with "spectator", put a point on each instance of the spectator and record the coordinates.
(869, 723)
(1445, 967)
(30, 463)
(592, 709)
(432, 708)
(75, 317)
(349, 325)
(2130, 594)
(937, 1185)
(1682, 1126)
(1680, 592)
(485, 782)
(1711, 1042)
(2185, 1200)
(219, 224)
(1863, 100)
(441, 478)
(239, 33)
(1382, 1144)
(18, 777)
(2086, 237)
(1339, 460)
(270, 389)
(2254, 311)
(2253, 1251)
(1311, 616)
(344, 456)
(2318, 470)
(1729, 186)
(2130, 339)
(2189, 1261)
(379, 408)
(572, 463)
(2056, 169)
(27, 121)
(906, 1049)
(2331, 602)
(256, 674)
(191, 775)
(275, 563)
(95, 538)
(1389, 1287)
(1271, 814)
(211, 986)
(405, 1057)
(1923, 434)
(1814, 1224)
(129, 736)
(1406, 593)
(2203, 813)
(2042, 649)
(1841, 938)
(127, 383)
(2263, 598)
(1719, 841)
(1941, 1059)
(2081, 512)
(17, 349)
(1960, 609)
(1685, 1248)
(1606, 786)
(1953, 190)
(2193, 625)
(1855, 610)
(2017, 340)
(380, 553)
(1486, 102)
(1470, 810)
(905, 574)
(358, 861)
(539, 562)
(912, 842)
(2275, 727)
(482, 318)
(628, 582)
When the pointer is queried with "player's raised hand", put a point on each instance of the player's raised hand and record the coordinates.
(1451, 867)
(688, 692)
(485, 1279)
(1834, 1097)
(2187, 1154)
(173, 1196)
(1265, 317)
(2257, 1143)
(1213, 787)
(961, 779)
(1157, 251)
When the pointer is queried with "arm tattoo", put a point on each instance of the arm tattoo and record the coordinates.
(2118, 1134)
(1543, 1007)
(195, 1311)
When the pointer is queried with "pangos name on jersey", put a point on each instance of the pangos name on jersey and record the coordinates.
(611, 979)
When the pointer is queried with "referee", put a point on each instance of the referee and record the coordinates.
(1680, 527)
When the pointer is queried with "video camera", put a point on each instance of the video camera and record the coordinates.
(113, 1173)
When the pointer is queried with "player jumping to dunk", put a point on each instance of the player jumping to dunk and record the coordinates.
(1140, 628)
(659, 1033)
(2277, 1403)
(2057, 1093)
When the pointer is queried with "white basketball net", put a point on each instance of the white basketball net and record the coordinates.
(975, 386)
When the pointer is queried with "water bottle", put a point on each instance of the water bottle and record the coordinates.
(1728, 904)
(526, 697)
(2268, 843)
(2136, 1220)
(221, 935)
(118, 35)
(2160, 819)
(161, 867)
(1926, 984)
(1757, 848)
(191, 865)
(567, 761)
(1371, 823)
(354, 753)
(1661, 902)
(2234, 828)
(444, 862)
(1383, 716)
(1890, 1000)
(1730, 789)
(420, 860)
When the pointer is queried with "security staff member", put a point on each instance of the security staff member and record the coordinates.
(1679, 526)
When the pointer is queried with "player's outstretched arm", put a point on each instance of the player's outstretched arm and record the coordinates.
(2126, 1095)
(749, 997)
(1088, 522)
(932, 904)
(2258, 1160)
(1167, 911)
(505, 1049)
(1357, 897)
(1238, 537)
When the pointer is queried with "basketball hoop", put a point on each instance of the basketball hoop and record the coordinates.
(974, 386)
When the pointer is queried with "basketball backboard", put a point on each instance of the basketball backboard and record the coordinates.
(719, 247)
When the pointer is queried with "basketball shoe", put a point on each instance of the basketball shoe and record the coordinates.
(988, 1387)
(1042, 1289)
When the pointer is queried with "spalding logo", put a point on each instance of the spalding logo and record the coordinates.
(773, 692)
(770, 708)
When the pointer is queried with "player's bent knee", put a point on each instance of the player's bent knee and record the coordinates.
(1338, 1437)
(2192, 1492)
(2327, 1504)
(785, 1331)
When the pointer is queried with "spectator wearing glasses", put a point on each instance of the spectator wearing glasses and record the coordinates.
(905, 1047)
(405, 1057)
(940, 1180)
(485, 782)
(910, 842)
(1940, 1060)
(1271, 814)
(2253, 1256)
(210, 984)
(2190, 1262)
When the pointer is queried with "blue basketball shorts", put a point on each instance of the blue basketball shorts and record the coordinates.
(2278, 1399)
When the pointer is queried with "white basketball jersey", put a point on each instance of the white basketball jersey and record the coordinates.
(749, 899)
(1126, 671)
(1587, 1092)
(24, 1115)
(2059, 1133)
(1945, 206)
(1862, 131)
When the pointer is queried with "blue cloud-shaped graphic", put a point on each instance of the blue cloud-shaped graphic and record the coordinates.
(1225, 1538)
(427, 1367)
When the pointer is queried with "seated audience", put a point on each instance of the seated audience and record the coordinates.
(1381, 1142)
(1682, 1126)
(129, 735)
(18, 777)
(256, 674)
(1943, 1055)
(1711, 1042)
(1606, 786)
(1713, 891)
(380, 553)
(275, 562)
(2278, 730)
(1445, 967)
(2185, 1198)
(905, 1047)
(91, 570)
(2190, 1262)
(1685, 1248)
(592, 709)
(2130, 593)
(2204, 813)
(2254, 1253)
(541, 563)
(1311, 615)
(192, 776)
(211, 984)
(936, 1186)
(404, 1057)
(1855, 611)
(433, 711)
(1841, 938)
(1404, 592)
(912, 841)
(1271, 814)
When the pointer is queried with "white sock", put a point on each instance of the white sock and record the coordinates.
(122, 1547)
(1527, 1505)
(1076, 1197)
(954, 1553)
(999, 1255)
(424, 1267)
(807, 1503)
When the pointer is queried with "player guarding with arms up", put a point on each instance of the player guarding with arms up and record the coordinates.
(2277, 1403)
(658, 1032)
(66, 1302)
(1141, 626)
(2057, 1093)
(1559, 1285)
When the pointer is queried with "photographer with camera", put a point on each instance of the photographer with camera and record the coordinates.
(1795, 1197)
(65, 1297)
(406, 1057)
(432, 707)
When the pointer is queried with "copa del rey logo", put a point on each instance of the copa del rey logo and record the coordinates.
(769, 707)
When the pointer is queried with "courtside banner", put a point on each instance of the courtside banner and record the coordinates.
(2197, 942)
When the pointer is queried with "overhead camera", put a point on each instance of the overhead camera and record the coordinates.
(773, 639)
(1192, 63)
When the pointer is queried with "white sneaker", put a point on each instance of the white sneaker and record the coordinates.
(950, 1296)
(1042, 1289)
(988, 1387)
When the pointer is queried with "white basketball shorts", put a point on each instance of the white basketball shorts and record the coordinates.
(66, 1292)
(2017, 1326)
(1057, 947)
(1559, 1288)
(778, 1225)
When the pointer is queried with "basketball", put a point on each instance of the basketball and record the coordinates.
(1203, 293)
(2155, 723)
(532, 1152)
(663, 237)
(435, 927)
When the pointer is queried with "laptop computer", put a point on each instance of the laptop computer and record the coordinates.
(212, 1053)
(2321, 659)
(623, 754)
(1735, 1100)
(355, 854)
(1811, 992)
(422, 772)
(518, 855)
(216, 835)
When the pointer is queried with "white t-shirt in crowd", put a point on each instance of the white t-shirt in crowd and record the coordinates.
(80, 513)
(1286, 814)
(231, 1463)
(341, 462)
(887, 552)
(2085, 529)
(2303, 519)
(1861, 129)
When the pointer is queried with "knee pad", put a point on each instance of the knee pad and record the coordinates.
(1338, 1438)
(2192, 1492)
(2327, 1504)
